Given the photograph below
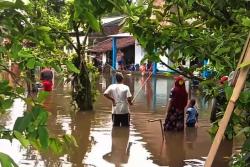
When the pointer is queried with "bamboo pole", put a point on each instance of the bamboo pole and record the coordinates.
(242, 56)
(142, 87)
(230, 107)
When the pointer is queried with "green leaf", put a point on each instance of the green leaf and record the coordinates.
(244, 64)
(15, 50)
(36, 111)
(56, 67)
(21, 138)
(22, 122)
(190, 2)
(7, 103)
(43, 137)
(41, 97)
(2, 49)
(24, 54)
(31, 63)
(26, 2)
(229, 92)
(6, 4)
(17, 123)
(55, 145)
(20, 90)
(94, 23)
(244, 97)
(44, 28)
(69, 139)
(42, 117)
(7, 161)
(238, 50)
(71, 67)
(246, 21)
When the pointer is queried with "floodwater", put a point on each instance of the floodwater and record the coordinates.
(101, 145)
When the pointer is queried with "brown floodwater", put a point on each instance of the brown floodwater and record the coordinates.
(102, 145)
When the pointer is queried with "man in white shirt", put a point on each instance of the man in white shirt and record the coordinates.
(120, 96)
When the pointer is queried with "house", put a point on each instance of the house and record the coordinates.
(107, 52)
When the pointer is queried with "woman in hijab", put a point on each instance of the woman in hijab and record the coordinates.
(177, 103)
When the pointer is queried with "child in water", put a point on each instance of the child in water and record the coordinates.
(192, 114)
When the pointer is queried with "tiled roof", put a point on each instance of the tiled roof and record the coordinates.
(106, 45)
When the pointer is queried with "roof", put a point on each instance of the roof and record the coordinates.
(111, 20)
(106, 45)
(121, 35)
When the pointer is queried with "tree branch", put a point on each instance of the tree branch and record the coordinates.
(70, 42)
(86, 37)
(13, 75)
(78, 42)
(181, 73)
(199, 6)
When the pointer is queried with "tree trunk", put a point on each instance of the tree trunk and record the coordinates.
(82, 92)
(31, 88)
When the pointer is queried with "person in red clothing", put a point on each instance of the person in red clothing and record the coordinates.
(46, 78)
(177, 103)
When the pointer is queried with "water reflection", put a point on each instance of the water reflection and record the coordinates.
(224, 153)
(191, 135)
(101, 145)
(174, 148)
(120, 147)
(81, 131)
(154, 91)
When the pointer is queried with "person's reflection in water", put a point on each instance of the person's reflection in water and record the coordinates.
(147, 89)
(191, 135)
(175, 149)
(120, 147)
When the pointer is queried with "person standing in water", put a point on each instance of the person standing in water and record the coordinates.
(46, 77)
(192, 114)
(120, 96)
(176, 105)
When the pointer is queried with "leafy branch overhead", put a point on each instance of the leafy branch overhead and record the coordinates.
(194, 30)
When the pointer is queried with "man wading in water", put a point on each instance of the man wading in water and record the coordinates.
(120, 96)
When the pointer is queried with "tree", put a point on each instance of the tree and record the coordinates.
(28, 44)
(32, 34)
(198, 30)
(80, 19)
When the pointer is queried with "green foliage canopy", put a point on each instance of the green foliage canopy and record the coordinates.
(194, 30)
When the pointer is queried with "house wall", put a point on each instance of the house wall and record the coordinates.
(139, 53)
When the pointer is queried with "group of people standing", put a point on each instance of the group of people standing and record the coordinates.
(120, 96)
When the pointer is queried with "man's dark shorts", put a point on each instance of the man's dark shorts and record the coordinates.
(121, 119)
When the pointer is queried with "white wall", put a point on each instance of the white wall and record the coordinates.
(139, 53)
(163, 67)
(165, 60)
(104, 58)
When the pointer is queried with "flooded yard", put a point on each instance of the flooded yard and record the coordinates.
(102, 145)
